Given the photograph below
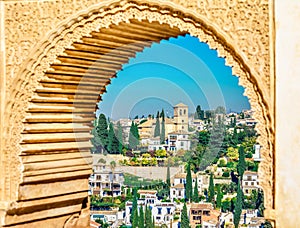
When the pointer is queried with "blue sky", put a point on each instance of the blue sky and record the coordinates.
(177, 70)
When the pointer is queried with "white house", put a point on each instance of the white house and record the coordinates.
(250, 182)
(177, 192)
(162, 212)
(178, 140)
(105, 182)
(155, 144)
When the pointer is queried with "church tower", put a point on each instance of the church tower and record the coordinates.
(181, 117)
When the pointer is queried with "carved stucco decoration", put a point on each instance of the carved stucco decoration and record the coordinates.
(238, 29)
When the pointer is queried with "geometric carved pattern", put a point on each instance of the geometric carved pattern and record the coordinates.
(242, 38)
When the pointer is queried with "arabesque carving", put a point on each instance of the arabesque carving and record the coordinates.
(239, 31)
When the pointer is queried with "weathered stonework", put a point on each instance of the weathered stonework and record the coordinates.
(37, 37)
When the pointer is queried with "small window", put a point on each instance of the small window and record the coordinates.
(182, 121)
(159, 211)
(184, 111)
(182, 127)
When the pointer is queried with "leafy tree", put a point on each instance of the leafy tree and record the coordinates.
(196, 193)
(157, 126)
(226, 205)
(238, 206)
(185, 223)
(199, 114)
(188, 185)
(203, 138)
(141, 218)
(211, 189)
(161, 153)
(232, 153)
(241, 163)
(219, 197)
(163, 127)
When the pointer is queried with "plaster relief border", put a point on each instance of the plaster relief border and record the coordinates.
(102, 16)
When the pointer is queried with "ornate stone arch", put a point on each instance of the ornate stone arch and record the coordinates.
(178, 20)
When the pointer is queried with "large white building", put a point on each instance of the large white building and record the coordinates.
(105, 182)
(178, 140)
(250, 182)
(177, 189)
(162, 212)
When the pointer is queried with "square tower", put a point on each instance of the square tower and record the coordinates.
(181, 117)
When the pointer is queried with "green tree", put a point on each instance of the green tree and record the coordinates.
(232, 153)
(133, 136)
(241, 163)
(219, 197)
(120, 137)
(238, 206)
(134, 205)
(100, 140)
(185, 223)
(188, 185)
(211, 189)
(163, 127)
(135, 219)
(161, 153)
(196, 193)
(168, 180)
(149, 222)
(113, 142)
(157, 126)
(141, 218)
(199, 114)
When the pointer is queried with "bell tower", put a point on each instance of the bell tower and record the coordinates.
(181, 117)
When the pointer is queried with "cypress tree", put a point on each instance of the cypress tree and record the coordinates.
(219, 196)
(102, 131)
(96, 141)
(112, 140)
(211, 189)
(198, 112)
(157, 126)
(238, 206)
(196, 193)
(241, 166)
(134, 205)
(141, 218)
(133, 136)
(148, 218)
(135, 219)
(185, 223)
(188, 185)
(163, 127)
(120, 137)
(168, 180)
